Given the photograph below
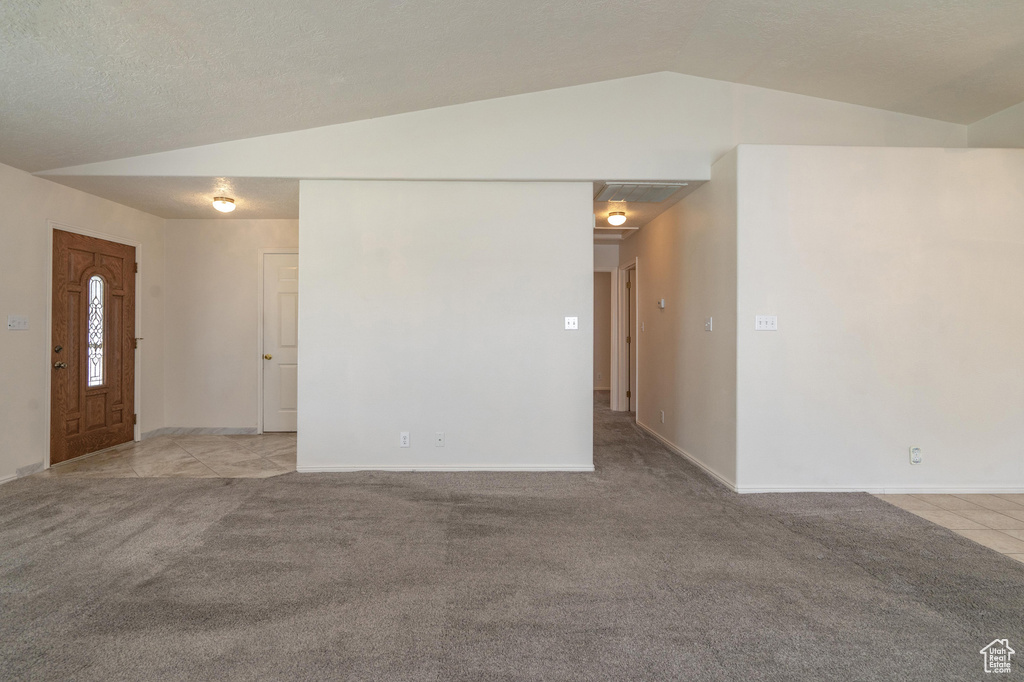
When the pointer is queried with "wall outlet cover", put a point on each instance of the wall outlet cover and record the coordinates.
(915, 456)
(17, 323)
(708, 324)
(403, 439)
(439, 439)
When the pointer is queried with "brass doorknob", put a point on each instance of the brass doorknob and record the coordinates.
(60, 365)
(268, 356)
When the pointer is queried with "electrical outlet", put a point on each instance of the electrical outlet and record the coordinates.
(707, 324)
(572, 323)
(766, 323)
(439, 439)
(403, 439)
(662, 416)
(915, 456)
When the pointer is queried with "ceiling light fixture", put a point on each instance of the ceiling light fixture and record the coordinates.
(616, 218)
(224, 204)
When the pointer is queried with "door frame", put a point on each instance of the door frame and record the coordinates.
(613, 370)
(259, 326)
(52, 225)
(621, 350)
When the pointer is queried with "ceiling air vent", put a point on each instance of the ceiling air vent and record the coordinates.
(638, 192)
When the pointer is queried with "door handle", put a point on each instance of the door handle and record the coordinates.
(60, 365)
(268, 356)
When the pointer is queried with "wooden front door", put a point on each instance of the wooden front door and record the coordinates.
(93, 353)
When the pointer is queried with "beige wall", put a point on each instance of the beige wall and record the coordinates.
(212, 348)
(1004, 129)
(27, 204)
(606, 256)
(897, 278)
(428, 306)
(602, 330)
(688, 257)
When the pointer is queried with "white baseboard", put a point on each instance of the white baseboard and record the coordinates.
(198, 431)
(424, 468)
(947, 490)
(8, 478)
(885, 490)
(873, 489)
(753, 490)
(688, 457)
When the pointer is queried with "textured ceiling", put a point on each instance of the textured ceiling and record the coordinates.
(91, 80)
(193, 197)
(184, 198)
(638, 214)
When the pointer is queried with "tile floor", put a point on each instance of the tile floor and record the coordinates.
(996, 521)
(188, 456)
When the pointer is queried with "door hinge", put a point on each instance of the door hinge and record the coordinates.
(628, 394)
(136, 267)
(135, 419)
(629, 339)
(629, 284)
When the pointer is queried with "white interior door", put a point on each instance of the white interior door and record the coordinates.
(280, 341)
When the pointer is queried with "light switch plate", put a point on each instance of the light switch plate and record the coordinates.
(766, 323)
(572, 323)
(17, 323)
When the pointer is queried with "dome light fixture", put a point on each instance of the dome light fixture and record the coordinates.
(616, 218)
(224, 204)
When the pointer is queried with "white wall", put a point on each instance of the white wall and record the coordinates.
(897, 277)
(687, 256)
(602, 330)
(27, 204)
(655, 127)
(212, 312)
(1003, 129)
(440, 307)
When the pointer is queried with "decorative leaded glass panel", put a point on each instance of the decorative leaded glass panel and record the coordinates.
(95, 340)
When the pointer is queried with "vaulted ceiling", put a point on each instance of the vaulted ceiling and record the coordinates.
(91, 80)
